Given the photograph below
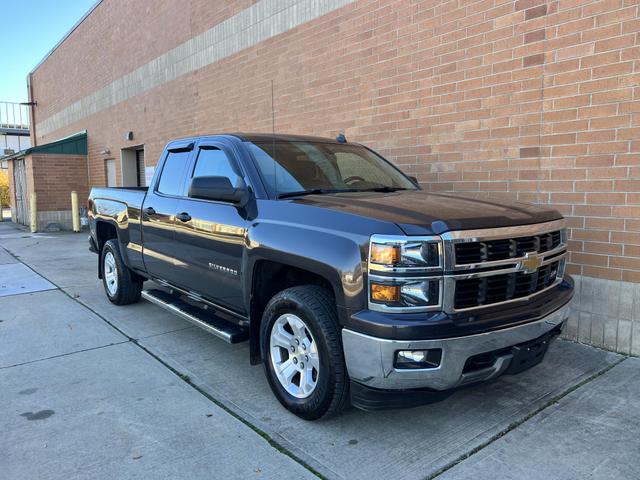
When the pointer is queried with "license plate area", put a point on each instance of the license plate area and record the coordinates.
(529, 354)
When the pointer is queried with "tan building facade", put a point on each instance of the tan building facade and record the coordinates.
(529, 100)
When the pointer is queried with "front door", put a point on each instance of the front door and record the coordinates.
(211, 234)
(158, 215)
(141, 168)
(110, 172)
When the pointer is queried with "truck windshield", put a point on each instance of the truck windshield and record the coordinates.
(315, 168)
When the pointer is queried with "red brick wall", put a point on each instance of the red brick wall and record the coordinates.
(116, 38)
(521, 100)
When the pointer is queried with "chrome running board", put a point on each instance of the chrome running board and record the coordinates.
(199, 317)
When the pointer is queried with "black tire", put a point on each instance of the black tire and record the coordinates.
(129, 284)
(316, 308)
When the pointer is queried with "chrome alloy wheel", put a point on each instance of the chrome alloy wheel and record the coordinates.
(294, 355)
(110, 273)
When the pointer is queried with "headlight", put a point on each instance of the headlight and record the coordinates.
(400, 294)
(385, 254)
(395, 267)
(398, 254)
(387, 294)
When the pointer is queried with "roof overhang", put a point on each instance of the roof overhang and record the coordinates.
(75, 144)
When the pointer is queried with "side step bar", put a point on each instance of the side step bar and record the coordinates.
(200, 317)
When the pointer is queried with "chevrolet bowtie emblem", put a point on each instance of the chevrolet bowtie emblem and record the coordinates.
(531, 262)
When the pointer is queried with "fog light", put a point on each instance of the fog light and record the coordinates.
(418, 358)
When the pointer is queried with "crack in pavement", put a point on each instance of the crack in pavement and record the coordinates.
(526, 418)
(29, 362)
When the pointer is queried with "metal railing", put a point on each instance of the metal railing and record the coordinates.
(14, 116)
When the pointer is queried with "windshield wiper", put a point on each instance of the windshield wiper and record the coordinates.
(324, 191)
(316, 191)
(382, 189)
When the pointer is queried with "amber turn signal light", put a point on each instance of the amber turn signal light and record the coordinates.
(385, 293)
(385, 254)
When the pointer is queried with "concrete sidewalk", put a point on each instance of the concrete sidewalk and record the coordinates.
(80, 400)
(120, 409)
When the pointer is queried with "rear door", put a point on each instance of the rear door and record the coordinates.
(159, 210)
(211, 234)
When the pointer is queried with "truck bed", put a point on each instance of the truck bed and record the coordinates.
(131, 196)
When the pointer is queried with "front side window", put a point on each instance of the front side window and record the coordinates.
(288, 167)
(173, 172)
(213, 162)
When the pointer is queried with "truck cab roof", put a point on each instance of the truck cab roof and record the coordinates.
(261, 137)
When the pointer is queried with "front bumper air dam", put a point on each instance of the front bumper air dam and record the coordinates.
(370, 360)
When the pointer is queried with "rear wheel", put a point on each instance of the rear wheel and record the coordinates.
(121, 285)
(302, 352)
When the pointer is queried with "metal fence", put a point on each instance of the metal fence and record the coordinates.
(14, 116)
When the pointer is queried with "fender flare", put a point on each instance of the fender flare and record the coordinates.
(115, 214)
(334, 257)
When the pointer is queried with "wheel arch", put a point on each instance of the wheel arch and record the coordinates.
(270, 277)
(105, 231)
(282, 255)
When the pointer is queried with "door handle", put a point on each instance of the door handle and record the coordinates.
(149, 211)
(183, 217)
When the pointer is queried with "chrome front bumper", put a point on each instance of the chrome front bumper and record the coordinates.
(370, 360)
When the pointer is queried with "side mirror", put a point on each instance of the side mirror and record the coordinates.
(413, 179)
(219, 189)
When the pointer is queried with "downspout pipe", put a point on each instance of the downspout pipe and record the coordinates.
(32, 110)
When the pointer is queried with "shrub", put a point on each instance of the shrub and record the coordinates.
(4, 188)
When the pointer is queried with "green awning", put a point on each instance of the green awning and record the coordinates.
(75, 144)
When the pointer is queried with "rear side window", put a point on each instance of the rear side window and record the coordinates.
(213, 162)
(173, 173)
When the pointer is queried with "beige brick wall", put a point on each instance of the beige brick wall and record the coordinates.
(521, 100)
(55, 176)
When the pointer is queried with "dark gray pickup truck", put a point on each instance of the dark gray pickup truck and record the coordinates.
(350, 283)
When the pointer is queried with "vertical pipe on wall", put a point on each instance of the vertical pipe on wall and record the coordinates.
(34, 212)
(32, 112)
(75, 211)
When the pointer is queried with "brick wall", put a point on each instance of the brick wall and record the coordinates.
(55, 177)
(521, 100)
(115, 38)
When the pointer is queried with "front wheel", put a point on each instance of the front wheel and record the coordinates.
(302, 352)
(121, 285)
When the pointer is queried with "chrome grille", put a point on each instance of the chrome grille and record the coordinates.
(493, 266)
(474, 292)
(505, 248)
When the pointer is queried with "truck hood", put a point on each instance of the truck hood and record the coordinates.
(422, 213)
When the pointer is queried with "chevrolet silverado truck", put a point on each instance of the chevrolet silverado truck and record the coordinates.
(350, 283)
